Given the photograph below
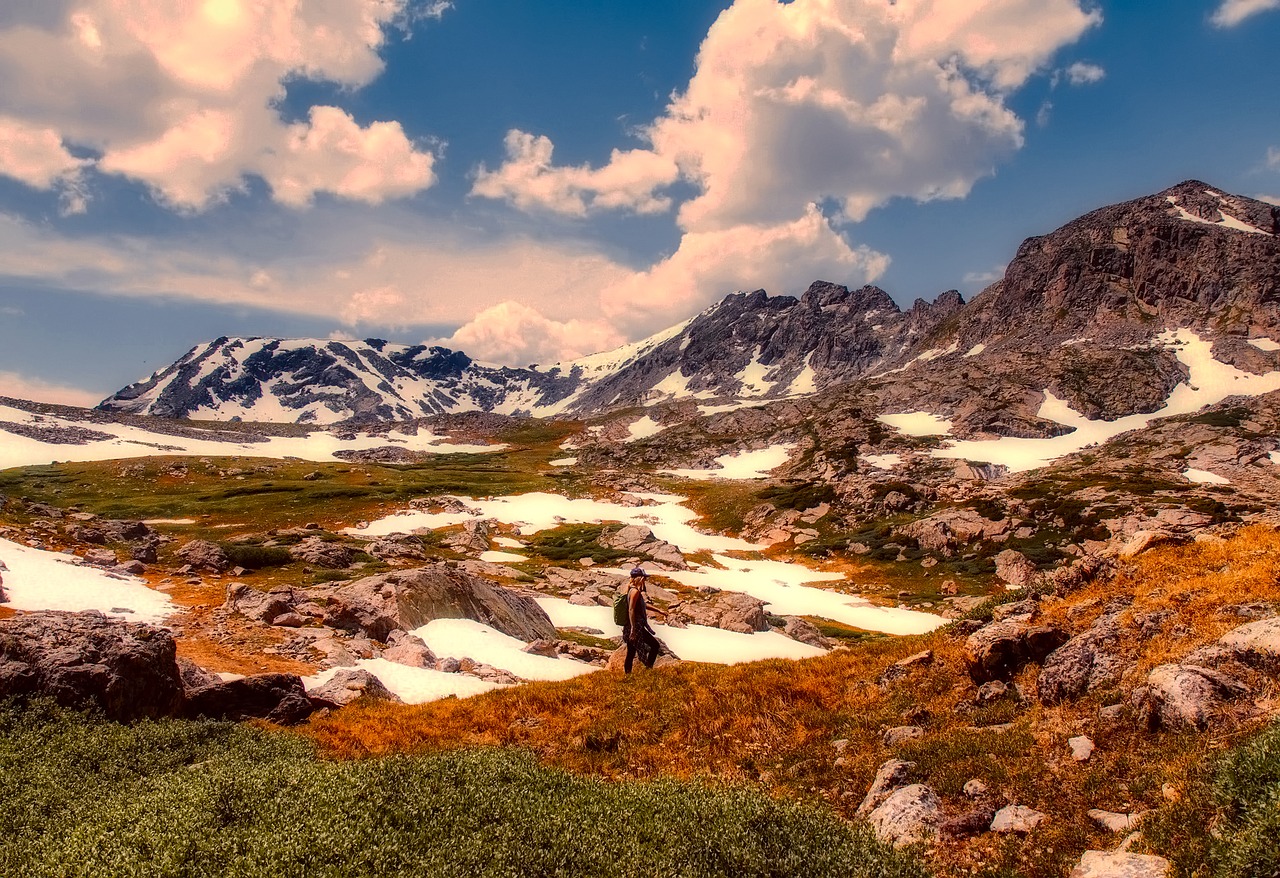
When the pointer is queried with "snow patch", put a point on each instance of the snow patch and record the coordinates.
(1265, 344)
(752, 378)
(918, 423)
(742, 465)
(643, 429)
(1227, 221)
(1209, 383)
(565, 461)
(465, 638)
(1204, 477)
(975, 350)
(413, 685)
(494, 557)
(881, 461)
(40, 580)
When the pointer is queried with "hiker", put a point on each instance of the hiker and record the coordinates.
(636, 632)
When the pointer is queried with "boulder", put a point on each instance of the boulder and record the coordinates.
(1014, 568)
(1113, 821)
(729, 610)
(1081, 747)
(408, 649)
(193, 676)
(264, 606)
(1084, 663)
(1120, 864)
(87, 661)
(909, 815)
(1183, 697)
(347, 686)
(474, 536)
(1016, 818)
(101, 558)
(804, 631)
(321, 553)
(639, 539)
(1023, 611)
(279, 698)
(902, 734)
(1256, 644)
(204, 555)
(997, 651)
(408, 599)
(1142, 540)
(890, 776)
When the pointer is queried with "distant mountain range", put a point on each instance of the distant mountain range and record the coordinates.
(1079, 313)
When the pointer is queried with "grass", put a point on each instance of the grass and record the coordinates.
(175, 799)
(774, 722)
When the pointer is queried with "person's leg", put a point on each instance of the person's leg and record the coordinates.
(631, 651)
(651, 648)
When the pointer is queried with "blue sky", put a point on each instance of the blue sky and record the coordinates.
(535, 181)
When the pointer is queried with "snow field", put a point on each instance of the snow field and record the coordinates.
(39, 580)
(917, 424)
(1204, 477)
(742, 465)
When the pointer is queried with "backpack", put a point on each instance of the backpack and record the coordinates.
(621, 612)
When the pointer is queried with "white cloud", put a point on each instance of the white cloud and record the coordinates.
(1273, 158)
(783, 258)
(801, 102)
(1081, 73)
(529, 181)
(18, 386)
(35, 155)
(984, 278)
(184, 96)
(514, 334)
(1232, 12)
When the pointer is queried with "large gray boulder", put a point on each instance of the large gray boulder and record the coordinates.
(1256, 644)
(88, 661)
(204, 555)
(263, 606)
(1084, 663)
(640, 539)
(891, 776)
(1184, 697)
(322, 553)
(999, 650)
(731, 611)
(347, 686)
(909, 815)
(407, 599)
(279, 698)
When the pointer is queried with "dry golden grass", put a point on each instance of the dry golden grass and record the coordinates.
(774, 722)
(217, 657)
(7, 613)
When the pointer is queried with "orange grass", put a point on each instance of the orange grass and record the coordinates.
(775, 722)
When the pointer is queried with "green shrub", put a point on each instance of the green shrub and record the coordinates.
(173, 799)
(253, 557)
(800, 495)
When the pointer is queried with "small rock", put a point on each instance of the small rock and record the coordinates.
(289, 620)
(1115, 864)
(101, 558)
(1014, 568)
(132, 567)
(1017, 818)
(975, 789)
(909, 815)
(889, 777)
(345, 687)
(992, 690)
(901, 734)
(1081, 748)
(1256, 644)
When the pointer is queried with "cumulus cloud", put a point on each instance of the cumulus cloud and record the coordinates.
(19, 386)
(514, 334)
(1231, 12)
(801, 102)
(183, 97)
(1082, 73)
(984, 278)
(529, 180)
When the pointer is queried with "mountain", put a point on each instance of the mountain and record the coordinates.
(1080, 313)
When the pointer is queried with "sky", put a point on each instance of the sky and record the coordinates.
(532, 182)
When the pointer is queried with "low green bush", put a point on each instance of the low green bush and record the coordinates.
(173, 799)
(252, 557)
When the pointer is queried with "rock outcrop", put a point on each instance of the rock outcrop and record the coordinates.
(279, 698)
(88, 661)
(1184, 697)
(407, 599)
(999, 650)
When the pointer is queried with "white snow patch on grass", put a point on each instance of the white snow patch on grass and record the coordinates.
(466, 638)
(539, 511)
(565, 461)
(1265, 344)
(881, 461)
(508, 543)
(917, 423)
(1210, 382)
(413, 685)
(742, 465)
(494, 557)
(643, 429)
(781, 585)
(168, 521)
(40, 580)
(1204, 477)
(131, 442)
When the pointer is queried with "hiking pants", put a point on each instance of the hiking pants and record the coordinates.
(645, 645)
